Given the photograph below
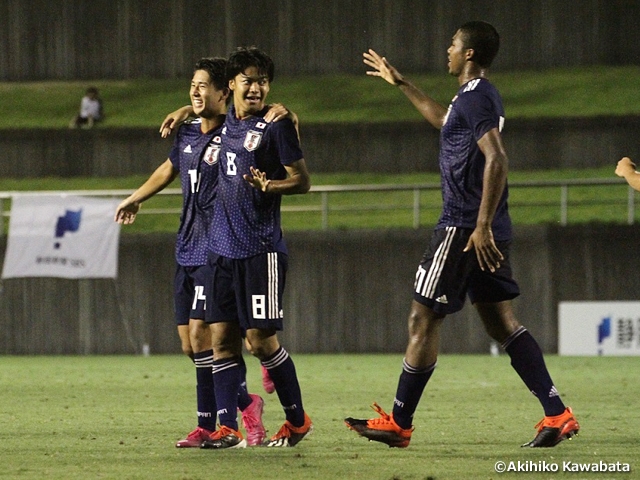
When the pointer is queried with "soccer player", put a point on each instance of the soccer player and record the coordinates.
(194, 158)
(627, 170)
(259, 162)
(469, 250)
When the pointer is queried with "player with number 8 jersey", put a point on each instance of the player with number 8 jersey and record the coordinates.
(259, 162)
(246, 221)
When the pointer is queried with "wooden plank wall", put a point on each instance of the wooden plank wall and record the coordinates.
(121, 39)
(347, 291)
(382, 148)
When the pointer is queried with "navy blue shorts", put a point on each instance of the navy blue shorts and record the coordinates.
(189, 293)
(446, 274)
(248, 290)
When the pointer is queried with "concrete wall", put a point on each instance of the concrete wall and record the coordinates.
(347, 291)
(378, 147)
(121, 39)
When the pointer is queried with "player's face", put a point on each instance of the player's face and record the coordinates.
(250, 90)
(206, 100)
(457, 54)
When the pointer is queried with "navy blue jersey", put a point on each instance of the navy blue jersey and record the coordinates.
(246, 221)
(476, 109)
(195, 156)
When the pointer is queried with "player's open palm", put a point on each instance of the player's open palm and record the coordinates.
(257, 179)
(381, 68)
(126, 212)
(489, 257)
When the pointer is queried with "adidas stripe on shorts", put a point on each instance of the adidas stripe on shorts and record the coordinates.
(247, 290)
(447, 274)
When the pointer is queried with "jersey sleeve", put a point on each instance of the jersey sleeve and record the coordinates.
(285, 141)
(174, 154)
(479, 112)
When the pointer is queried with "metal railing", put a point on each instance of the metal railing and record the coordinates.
(325, 208)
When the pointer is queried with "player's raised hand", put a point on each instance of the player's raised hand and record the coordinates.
(382, 68)
(257, 179)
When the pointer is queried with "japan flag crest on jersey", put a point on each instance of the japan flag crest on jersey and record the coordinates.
(252, 140)
(213, 151)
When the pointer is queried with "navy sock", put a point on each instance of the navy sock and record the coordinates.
(204, 390)
(283, 373)
(244, 400)
(528, 362)
(410, 387)
(226, 382)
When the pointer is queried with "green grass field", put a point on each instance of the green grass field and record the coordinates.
(569, 92)
(118, 418)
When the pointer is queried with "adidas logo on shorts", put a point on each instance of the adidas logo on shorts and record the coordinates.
(442, 299)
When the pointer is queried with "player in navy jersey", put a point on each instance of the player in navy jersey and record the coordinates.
(194, 158)
(259, 162)
(469, 250)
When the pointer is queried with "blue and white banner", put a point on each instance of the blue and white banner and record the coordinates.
(62, 236)
(599, 328)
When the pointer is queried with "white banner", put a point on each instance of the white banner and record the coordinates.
(599, 328)
(62, 236)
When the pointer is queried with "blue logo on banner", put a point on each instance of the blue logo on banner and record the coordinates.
(604, 331)
(69, 223)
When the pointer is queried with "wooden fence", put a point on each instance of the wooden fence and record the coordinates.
(347, 291)
(532, 144)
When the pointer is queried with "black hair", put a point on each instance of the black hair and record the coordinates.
(245, 57)
(216, 68)
(484, 39)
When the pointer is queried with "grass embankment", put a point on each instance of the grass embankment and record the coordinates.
(585, 91)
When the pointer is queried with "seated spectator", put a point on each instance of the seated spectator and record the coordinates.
(90, 110)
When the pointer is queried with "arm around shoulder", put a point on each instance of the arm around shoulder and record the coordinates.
(299, 176)
(627, 170)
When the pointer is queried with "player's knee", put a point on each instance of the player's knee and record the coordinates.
(226, 347)
(415, 319)
(249, 347)
(199, 336)
(423, 322)
(500, 332)
(499, 323)
(261, 352)
(187, 350)
(185, 343)
(258, 349)
(262, 344)
(201, 342)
